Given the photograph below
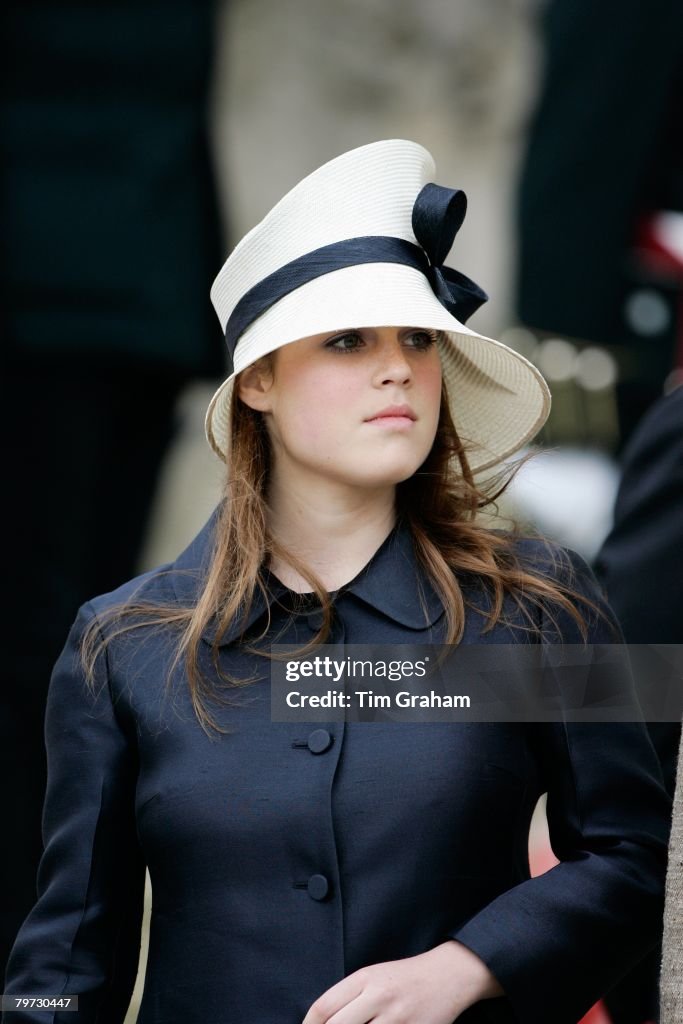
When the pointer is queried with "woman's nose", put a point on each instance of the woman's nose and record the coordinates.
(393, 364)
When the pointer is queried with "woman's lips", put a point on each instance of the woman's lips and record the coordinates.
(394, 416)
(392, 421)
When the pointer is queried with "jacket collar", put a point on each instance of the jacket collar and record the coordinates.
(390, 583)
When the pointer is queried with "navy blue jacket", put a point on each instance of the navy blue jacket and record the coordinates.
(283, 857)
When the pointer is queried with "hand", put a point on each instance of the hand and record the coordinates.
(432, 988)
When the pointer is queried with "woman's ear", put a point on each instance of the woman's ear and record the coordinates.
(254, 384)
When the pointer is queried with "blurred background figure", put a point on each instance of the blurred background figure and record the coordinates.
(641, 568)
(600, 218)
(601, 193)
(109, 243)
(641, 562)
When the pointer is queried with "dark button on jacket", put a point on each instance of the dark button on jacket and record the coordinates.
(276, 873)
(318, 887)
(319, 741)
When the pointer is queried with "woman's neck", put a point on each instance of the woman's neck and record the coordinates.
(334, 531)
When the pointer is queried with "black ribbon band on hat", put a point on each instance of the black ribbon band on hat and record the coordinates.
(438, 213)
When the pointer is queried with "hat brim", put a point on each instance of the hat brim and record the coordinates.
(499, 400)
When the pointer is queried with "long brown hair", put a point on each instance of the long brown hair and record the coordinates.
(442, 505)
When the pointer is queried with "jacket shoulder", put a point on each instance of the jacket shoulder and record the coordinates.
(152, 587)
(573, 576)
(546, 557)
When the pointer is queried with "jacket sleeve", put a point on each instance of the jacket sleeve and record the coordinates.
(559, 941)
(82, 937)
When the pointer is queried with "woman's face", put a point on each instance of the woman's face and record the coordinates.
(328, 401)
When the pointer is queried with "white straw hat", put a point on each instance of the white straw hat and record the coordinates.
(361, 242)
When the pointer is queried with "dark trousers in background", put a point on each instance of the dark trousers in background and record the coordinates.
(83, 448)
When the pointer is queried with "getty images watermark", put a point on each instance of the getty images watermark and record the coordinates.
(478, 683)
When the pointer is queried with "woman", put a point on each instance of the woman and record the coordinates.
(352, 872)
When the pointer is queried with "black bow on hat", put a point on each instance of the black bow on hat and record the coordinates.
(438, 215)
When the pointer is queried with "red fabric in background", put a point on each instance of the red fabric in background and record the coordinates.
(661, 261)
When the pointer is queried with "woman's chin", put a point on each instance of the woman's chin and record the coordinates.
(384, 475)
(367, 470)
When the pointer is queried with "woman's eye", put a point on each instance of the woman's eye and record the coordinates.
(422, 339)
(345, 343)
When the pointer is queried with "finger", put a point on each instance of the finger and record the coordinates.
(334, 1000)
(359, 1011)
